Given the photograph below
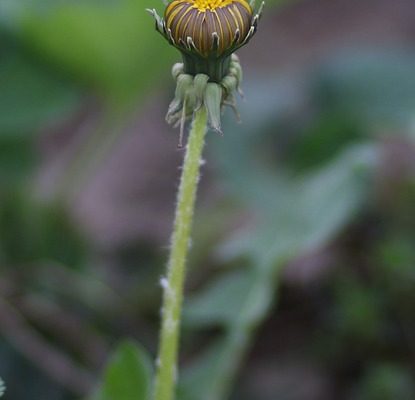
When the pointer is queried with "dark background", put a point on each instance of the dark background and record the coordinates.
(302, 269)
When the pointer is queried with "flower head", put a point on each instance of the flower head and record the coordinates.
(216, 27)
(207, 32)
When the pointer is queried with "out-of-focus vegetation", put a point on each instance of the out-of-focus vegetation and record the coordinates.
(302, 270)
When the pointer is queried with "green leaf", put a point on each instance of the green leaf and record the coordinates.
(113, 48)
(359, 311)
(323, 139)
(17, 159)
(279, 2)
(234, 300)
(386, 381)
(31, 95)
(128, 374)
(377, 86)
(33, 231)
(200, 378)
(2, 387)
(298, 215)
(206, 307)
(294, 215)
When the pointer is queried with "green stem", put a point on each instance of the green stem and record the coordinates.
(173, 284)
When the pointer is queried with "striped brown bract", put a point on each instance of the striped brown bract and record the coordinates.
(215, 27)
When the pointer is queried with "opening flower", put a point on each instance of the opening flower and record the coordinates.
(215, 26)
(207, 32)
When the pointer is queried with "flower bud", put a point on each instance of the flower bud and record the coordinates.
(207, 32)
(214, 26)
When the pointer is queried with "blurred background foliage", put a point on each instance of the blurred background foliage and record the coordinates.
(302, 272)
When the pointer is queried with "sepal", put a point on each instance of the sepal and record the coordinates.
(213, 103)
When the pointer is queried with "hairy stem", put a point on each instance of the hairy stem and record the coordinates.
(173, 284)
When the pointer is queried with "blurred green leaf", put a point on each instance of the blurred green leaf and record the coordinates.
(31, 95)
(294, 215)
(378, 87)
(84, 287)
(14, 366)
(385, 382)
(201, 377)
(17, 159)
(298, 215)
(323, 140)
(112, 47)
(359, 311)
(206, 307)
(305, 215)
(396, 257)
(279, 2)
(128, 374)
(35, 232)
